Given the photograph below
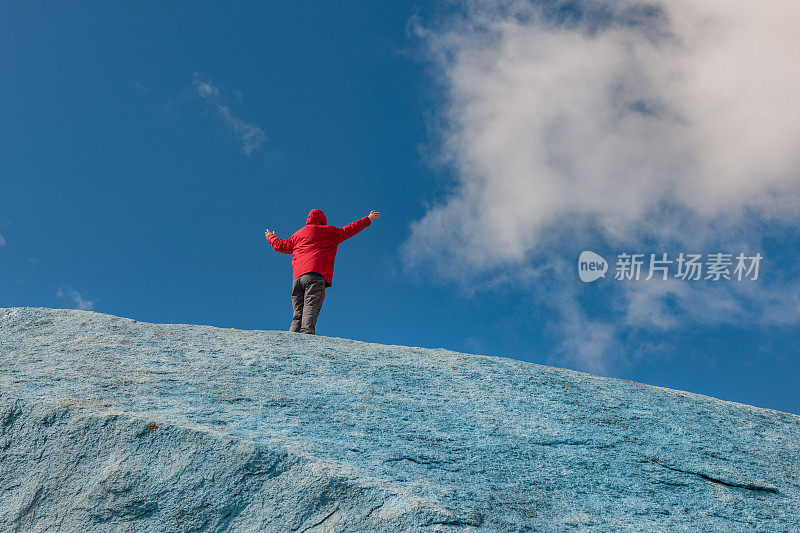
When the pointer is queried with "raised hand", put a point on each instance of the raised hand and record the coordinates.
(374, 215)
(268, 233)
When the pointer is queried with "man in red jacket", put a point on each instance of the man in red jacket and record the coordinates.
(313, 250)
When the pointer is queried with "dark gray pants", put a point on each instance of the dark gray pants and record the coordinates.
(308, 291)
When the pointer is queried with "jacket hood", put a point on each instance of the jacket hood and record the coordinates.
(316, 216)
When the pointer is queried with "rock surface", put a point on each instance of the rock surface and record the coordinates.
(109, 424)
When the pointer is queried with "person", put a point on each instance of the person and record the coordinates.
(313, 250)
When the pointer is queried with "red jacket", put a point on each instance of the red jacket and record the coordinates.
(313, 247)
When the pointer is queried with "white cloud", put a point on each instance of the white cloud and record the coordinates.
(77, 298)
(676, 121)
(142, 87)
(2, 240)
(586, 343)
(250, 135)
(692, 108)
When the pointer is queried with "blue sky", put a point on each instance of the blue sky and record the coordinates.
(144, 150)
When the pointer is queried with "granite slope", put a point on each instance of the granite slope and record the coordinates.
(109, 424)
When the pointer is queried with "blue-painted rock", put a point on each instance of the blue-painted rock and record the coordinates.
(109, 424)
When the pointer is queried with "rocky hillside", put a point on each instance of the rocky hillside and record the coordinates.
(109, 424)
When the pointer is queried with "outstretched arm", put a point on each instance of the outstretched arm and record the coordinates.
(354, 227)
(284, 246)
